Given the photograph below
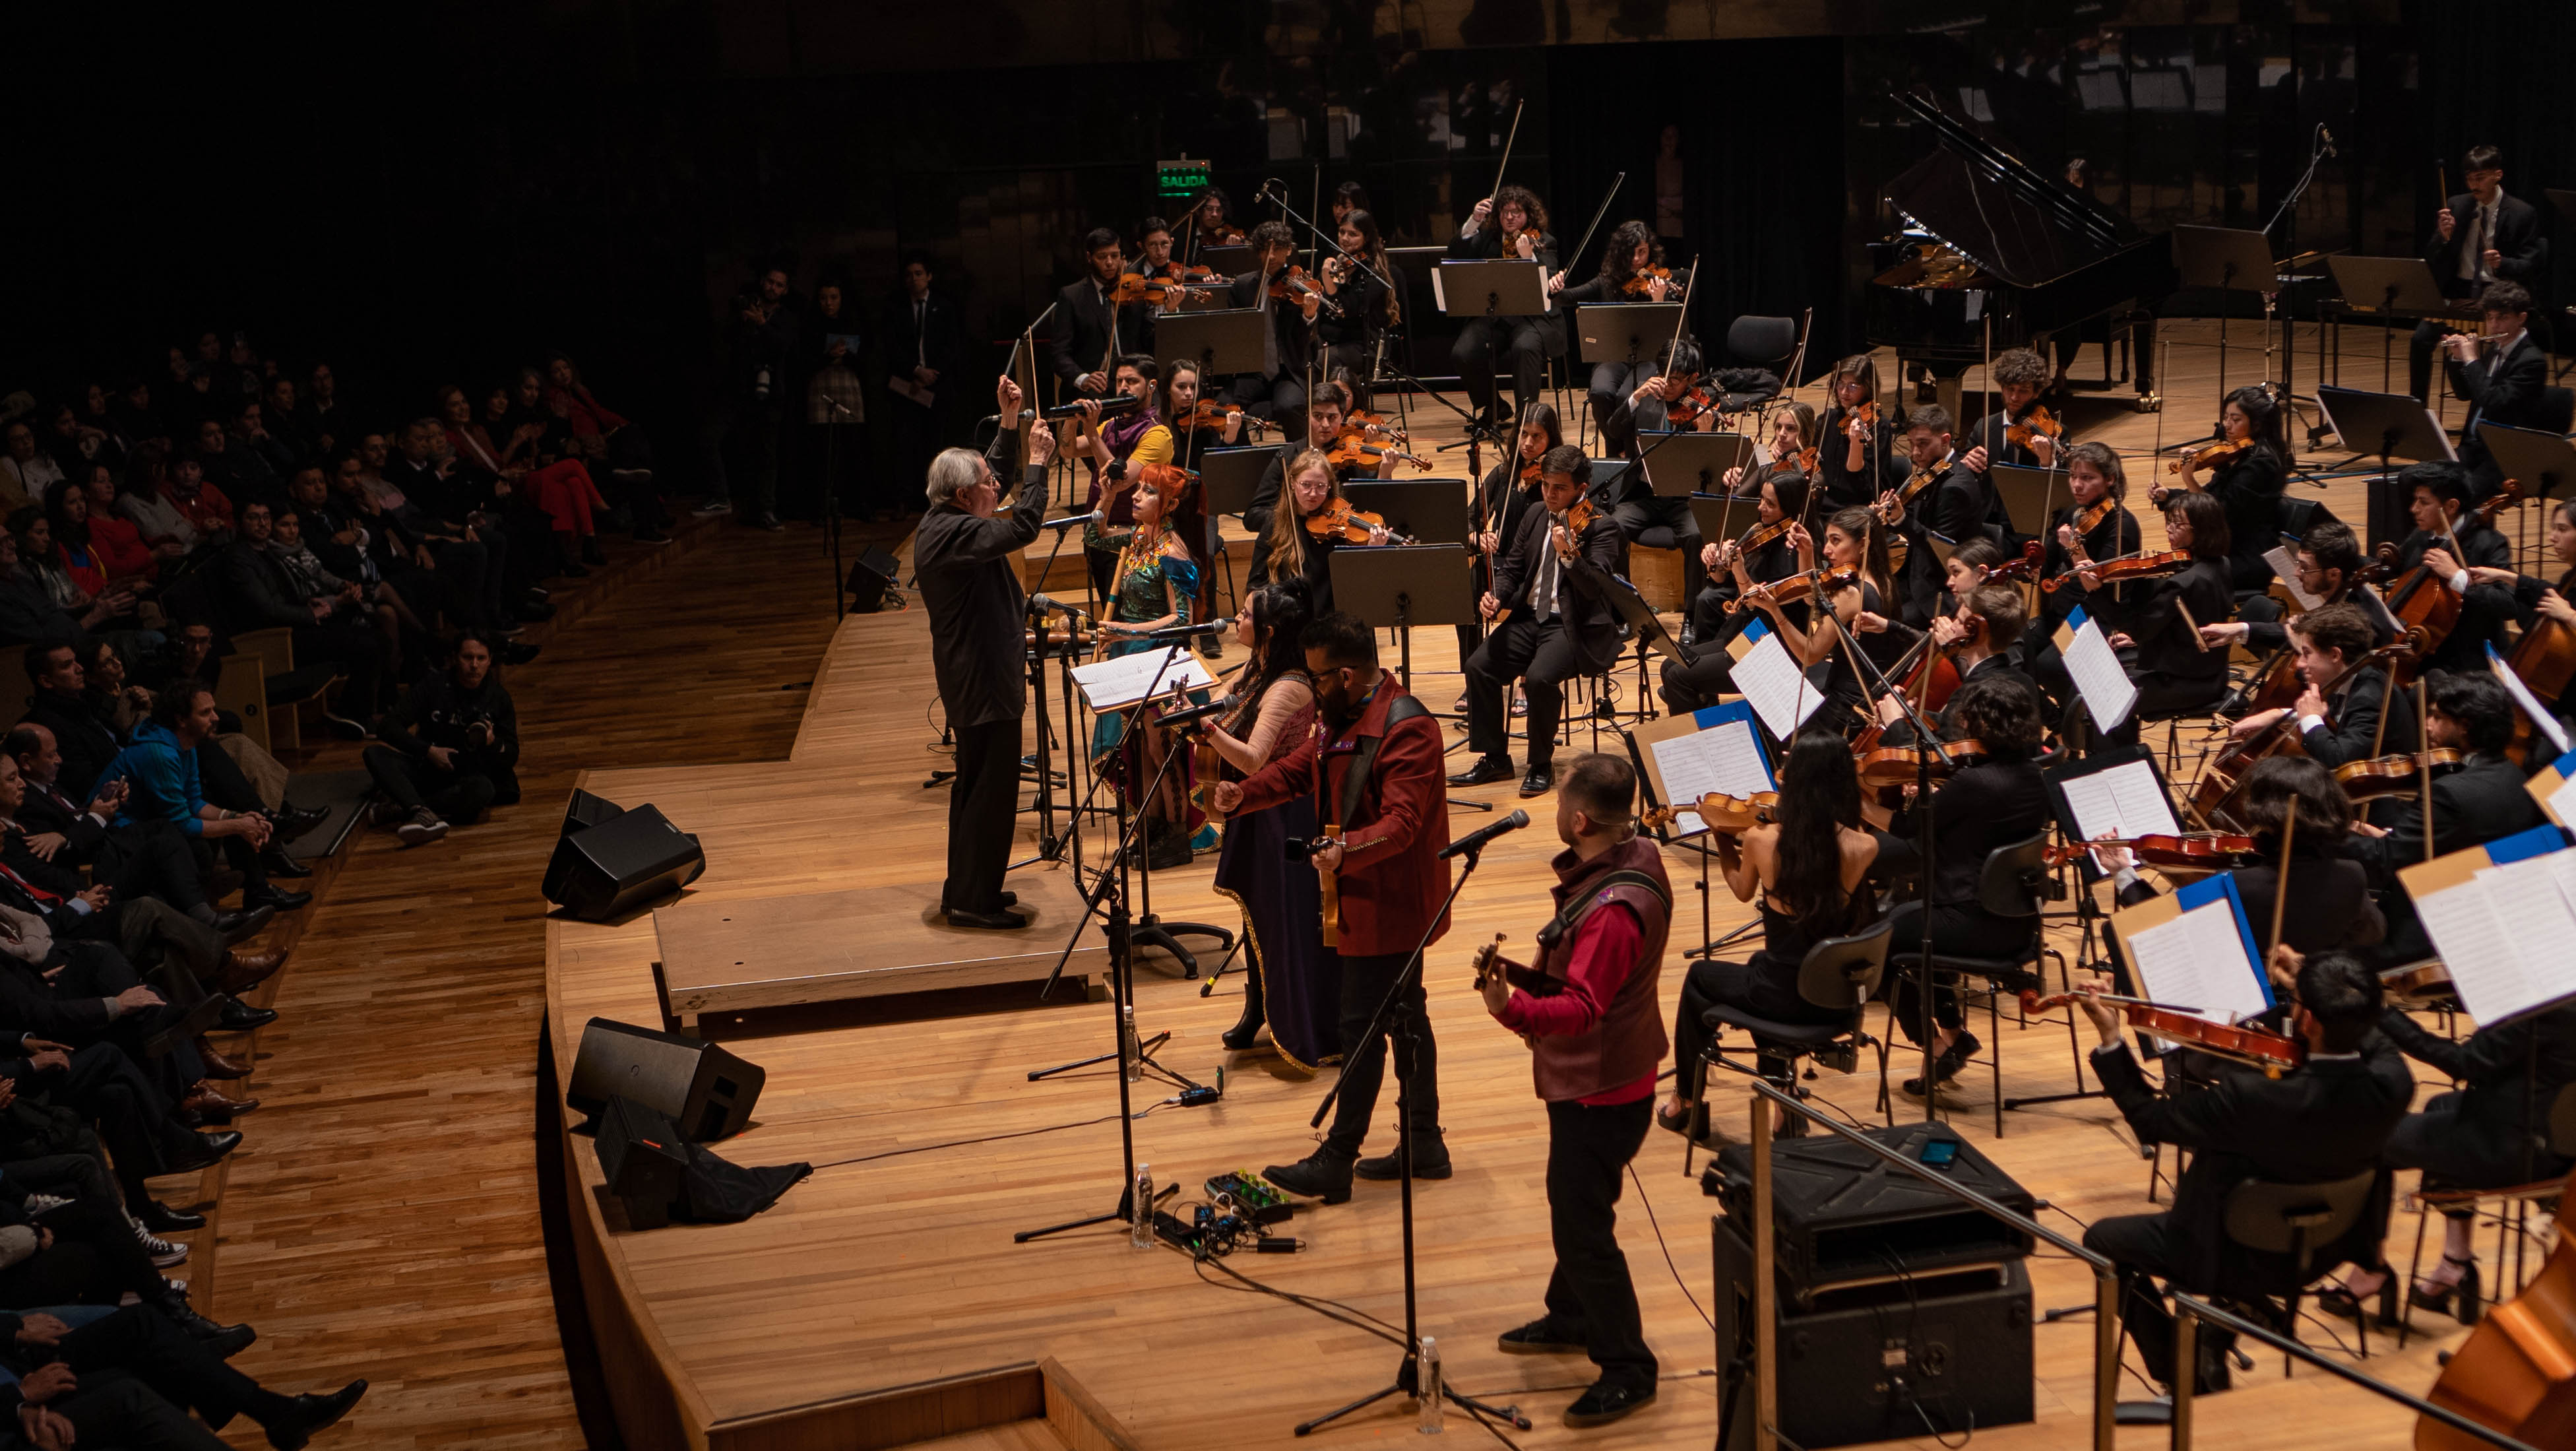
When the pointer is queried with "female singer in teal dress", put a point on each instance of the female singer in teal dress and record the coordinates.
(1151, 588)
(1294, 980)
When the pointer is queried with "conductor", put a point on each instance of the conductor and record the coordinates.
(963, 561)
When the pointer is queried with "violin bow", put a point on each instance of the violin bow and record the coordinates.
(1602, 211)
(1510, 137)
(2281, 882)
(2424, 770)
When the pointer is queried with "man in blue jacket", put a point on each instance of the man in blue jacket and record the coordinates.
(160, 772)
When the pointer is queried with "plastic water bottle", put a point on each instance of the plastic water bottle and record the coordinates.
(1427, 1375)
(1130, 1054)
(1143, 1235)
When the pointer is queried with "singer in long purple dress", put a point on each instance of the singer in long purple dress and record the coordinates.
(1293, 979)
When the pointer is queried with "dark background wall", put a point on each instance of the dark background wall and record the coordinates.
(421, 193)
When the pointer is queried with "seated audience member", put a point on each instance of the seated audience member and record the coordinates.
(116, 1107)
(117, 543)
(554, 494)
(208, 510)
(87, 739)
(39, 556)
(451, 748)
(26, 471)
(327, 616)
(163, 774)
(262, 460)
(149, 858)
(147, 503)
(440, 513)
(602, 438)
(29, 614)
(129, 1379)
(83, 559)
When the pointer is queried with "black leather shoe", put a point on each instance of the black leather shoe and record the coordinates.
(278, 863)
(514, 653)
(990, 921)
(177, 1308)
(229, 1341)
(1314, 1177)
(160, 1218)
(1247, 1029)
(1542, 1336)
(236, 927)
(1430, 1161)
(1605, 1403)
(1539, 781)
(308, 1414)
(211, 1152)
(241, 1017)
(1485, 772)
(278, 897)
(293, 821)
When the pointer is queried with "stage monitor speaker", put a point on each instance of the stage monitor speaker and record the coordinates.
(631, 858)
(1897, 1357)
(641, 1157)
(1839, 1212)
(581, 813)
(871, 579)
(705, 1090)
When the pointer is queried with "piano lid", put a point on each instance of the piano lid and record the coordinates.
(1974, 193)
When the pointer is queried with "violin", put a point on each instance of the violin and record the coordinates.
(1512, 240)
(1818, 582)
(1866, 415)
(1373, 424)
(2136, 566)
(1694, 403)
(1209, 414)
(1806, 461)
(2420, 981)
(1761, 536)
(1354, 451)
(1643, 283)
(2217, 453)
(1338, 520)
(1160, 291)
(2393, 775)
(1291, 284)
(2516, 1373)
(2262, 1048)
(1888, 766)
(2035, 424)
(2201, 849)
(2017, 571)
(2091, 519)
(1729, 815)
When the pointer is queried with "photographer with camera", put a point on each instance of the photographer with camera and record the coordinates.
(451, 748)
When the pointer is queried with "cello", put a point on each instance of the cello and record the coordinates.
(2421, 602)
(2544, 659)
(2516, 1373)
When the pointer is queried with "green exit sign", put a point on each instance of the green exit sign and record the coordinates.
(1180, 179)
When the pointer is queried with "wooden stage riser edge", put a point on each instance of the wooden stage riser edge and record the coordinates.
(656, 1409)
(1086, 968)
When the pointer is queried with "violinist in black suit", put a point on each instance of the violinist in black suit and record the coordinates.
(2246, 481)
(2502, 371)
(2159, 643)
(2019, 375)
(1552, 621)
(1510, 223)
(1631, 498)
(2480, 802)
(2329, 569)
(1504, 495)
(925, 349)
(2452, 541)
(1689, 687)
(2338, 716)
(2324, 1121)
(1089, 332)
(1941, 496)
(2479, 237)
(1278, 391)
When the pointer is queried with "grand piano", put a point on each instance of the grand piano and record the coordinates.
(1987, 236)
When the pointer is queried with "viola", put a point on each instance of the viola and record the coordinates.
(1338, 520)
(1901, 765)
(1728, 815)
(1160, 291)
(2220, 452)
(1207, 413)
(2516, 1373)
(1291, 284)
(1817, 582)
(2191, 849)
(2272, 1052)
(2394, 775)
(1354, 451)
(2035, 424)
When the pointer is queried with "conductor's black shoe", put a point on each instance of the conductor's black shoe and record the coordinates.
(1605, 1403)
(991, 921)
(1314, 1177)
(1430, 1161)
(1545, 1335)
(1485, 772)
(1539, 781)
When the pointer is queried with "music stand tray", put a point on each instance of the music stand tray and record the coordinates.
(1723, 517)
(2224, 257)
(1230, 476)
(2030, 495)
(1221, 343)
(1431, 511)
(2542, 461)
(1506, 287)
(2390, 425)
(1232, 261)
(2389, 284)
(1623, 332)
(1690, 462)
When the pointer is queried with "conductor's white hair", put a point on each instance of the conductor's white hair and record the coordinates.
(952, 473)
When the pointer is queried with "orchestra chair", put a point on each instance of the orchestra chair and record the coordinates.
(1839, 973)
(2512, 1215)
(1760, 342)
(2013, 884)
(2307, 1222)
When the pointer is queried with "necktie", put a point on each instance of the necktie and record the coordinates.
(921, 332)
(40, 895)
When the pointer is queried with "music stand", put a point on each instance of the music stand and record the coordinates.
(2393, 426)
(1691, 462)
(1431, 511)
(1723, 516)
(1223, 343)
(2029, 495)
(1229, 477)
(1629, 333)
(1398, 586)
(1647, 629)
(2230, 260)
(1231, 261)
(1503, 287)
(2396, 285)
(2542, 461)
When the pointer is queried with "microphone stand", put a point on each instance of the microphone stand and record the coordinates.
(1926, 745)
(832, 511)
(1408, 1373)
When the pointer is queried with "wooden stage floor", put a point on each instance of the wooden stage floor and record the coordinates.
(894, 1266)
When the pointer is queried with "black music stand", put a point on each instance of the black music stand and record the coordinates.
(1222, 344)
(1623, 332)
(2393, 426)
(1503, 287)
(1690, 462)
(1229, 261)
(1428, 511)
(2030, 495)
(1723, 516)
(1228, 478)
(2542, 461)
(1398, 586)
(1646, 628)
(2228, 259)
(2391, 287)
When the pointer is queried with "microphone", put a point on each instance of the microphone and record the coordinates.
(1110, 407)
(1184, 632)
(1185, 717)
(2328, 138)
(1475, 840)
(1038, 603)
(1066, 522)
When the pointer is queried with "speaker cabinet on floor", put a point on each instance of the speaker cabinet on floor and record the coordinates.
(625, 860)
(641, 1158)
(707, 1092)
(871, 580)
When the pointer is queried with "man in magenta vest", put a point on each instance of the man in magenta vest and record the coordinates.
(1374, 765)
(1591, 1018)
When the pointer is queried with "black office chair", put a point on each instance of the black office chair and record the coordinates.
(2013, 884)
(1840, 974)
(2305, 1222)
(2557, 412)
(1759, 342)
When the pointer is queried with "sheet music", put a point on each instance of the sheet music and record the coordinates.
(2198, 961)
(2285, 567)
(2125, 801)
(1115, 684)
(1774, 686)
(1724, 758)
(2109, 694)
(2542, 720)
(1439, 295)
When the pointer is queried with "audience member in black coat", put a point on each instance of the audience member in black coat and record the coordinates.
(147, 858)
(2454, 542)
(451, 748)
(88, 741)
(2320, 1123)
(333, 630)
(131, 1378)
(474, 565)
(2479, 236)
(100, 1086)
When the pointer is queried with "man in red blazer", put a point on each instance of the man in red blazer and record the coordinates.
(1374, 766)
